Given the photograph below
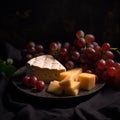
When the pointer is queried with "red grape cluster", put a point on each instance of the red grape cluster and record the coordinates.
(83, 52)
(33, 82)
(32, 50)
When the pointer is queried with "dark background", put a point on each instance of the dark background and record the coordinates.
(44, 21)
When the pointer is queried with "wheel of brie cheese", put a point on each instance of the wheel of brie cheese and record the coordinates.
(45, 67)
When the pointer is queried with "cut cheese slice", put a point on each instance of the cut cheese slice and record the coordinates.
(55, 88)
(73, 89)
(72, 74)
(72, 92)
(45, 67)
(66, 83)
(87, 81)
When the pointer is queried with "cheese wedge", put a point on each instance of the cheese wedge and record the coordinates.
(71, 92)
(66, 83)
(55, 88)
(73, 89)
(72, 74)
(69, 82)
(87, 81)
(45, 67)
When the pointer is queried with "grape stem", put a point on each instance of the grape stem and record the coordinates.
(115, 49)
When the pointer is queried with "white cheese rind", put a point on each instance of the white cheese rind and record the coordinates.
(45, 68)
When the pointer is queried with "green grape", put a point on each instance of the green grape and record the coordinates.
(9, 61)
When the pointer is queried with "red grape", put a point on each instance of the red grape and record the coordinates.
(101, 64)
(63, 51)
(66, 45)
(75, 55)
(90, 52)
(117, 76)
(33, 81)
(90, 45)
(89, 38)
(95, 43)
(40, 85)
(30, 44)
(26, 81)
(28, 57)
(80, 34)
(59, 45)
(39, 48)
(117, 65)
(69, 64)
(97, 49)
(32, 50)
(53, 46)
(111, 71)
(106, 46)
(109, 62)
(108, 55)
(80, 42)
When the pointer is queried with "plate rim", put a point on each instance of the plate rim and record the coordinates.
(22, 70)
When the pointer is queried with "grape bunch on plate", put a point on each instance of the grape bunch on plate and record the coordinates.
(83, 52)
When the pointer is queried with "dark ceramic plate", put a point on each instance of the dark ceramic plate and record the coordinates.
(17, 82)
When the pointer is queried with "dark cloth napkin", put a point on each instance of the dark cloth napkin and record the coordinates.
(14, 105)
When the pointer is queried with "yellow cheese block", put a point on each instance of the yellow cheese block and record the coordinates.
(87, 81)
(66, 83)
(69, 81)
(73, 89)
(55, 88)
(72, 74)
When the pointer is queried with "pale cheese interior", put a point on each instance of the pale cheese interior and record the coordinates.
(45, 68)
